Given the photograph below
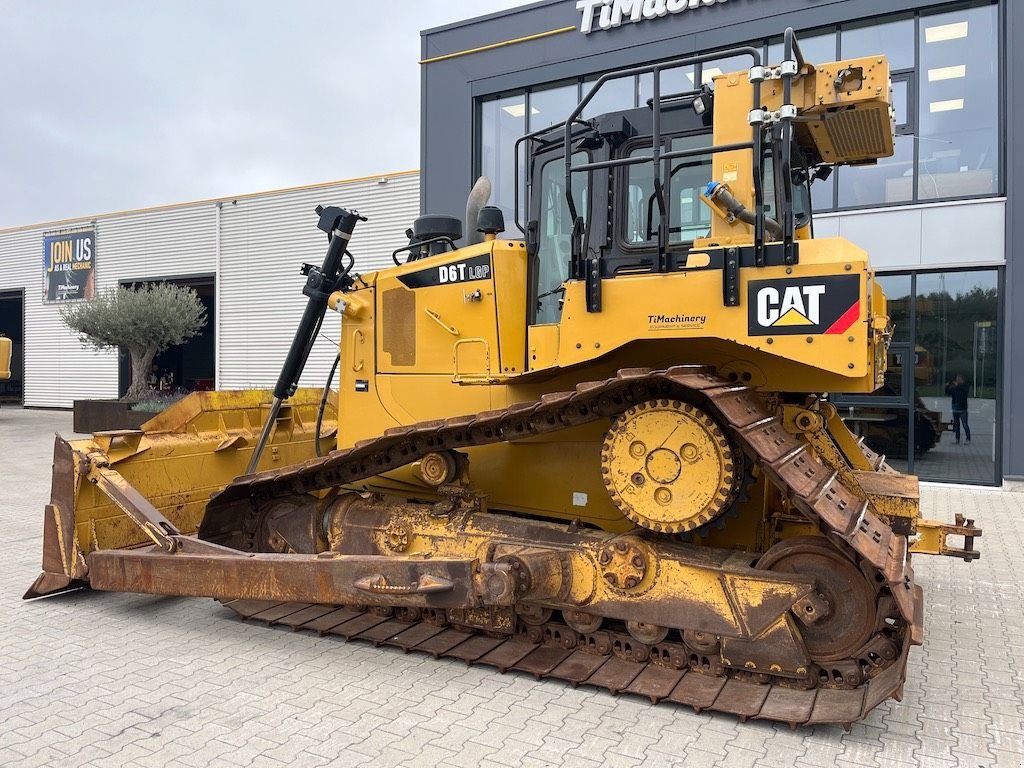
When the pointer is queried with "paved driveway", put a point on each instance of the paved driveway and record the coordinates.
(117, 680)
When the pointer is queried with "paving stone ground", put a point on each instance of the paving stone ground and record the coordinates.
(125, 680)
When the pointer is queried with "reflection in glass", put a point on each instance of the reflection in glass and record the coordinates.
(886, 430)
(817, 48)
(895, 39)
(957, 373)
(675, 80)
(890, 181)
(898, 296)
(958, 104)
(552, 105)
(614, 96)
(502, 123)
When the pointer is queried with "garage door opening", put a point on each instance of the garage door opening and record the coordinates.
(12, 325)
(189, 367)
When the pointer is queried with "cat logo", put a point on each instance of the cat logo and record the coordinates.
(823, 305)
(793, 305)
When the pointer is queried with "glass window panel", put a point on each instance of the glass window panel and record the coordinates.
(894, 38)
(639, 198)
(886, 430)
(689, 218)
(555, 233)
(956, 373)
(614, 96)
(817, 47)
(675, 80)
(890, 181)
(502, 123)
(958, 105)
(901, 102)
(552, 105)
(823, 193)
(898, 295)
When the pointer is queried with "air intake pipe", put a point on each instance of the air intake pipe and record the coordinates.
(478, 198)
(720, 194)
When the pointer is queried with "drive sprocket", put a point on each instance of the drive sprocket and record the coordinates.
(669, 467)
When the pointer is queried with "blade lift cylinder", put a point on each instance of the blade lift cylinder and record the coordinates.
(321, 282)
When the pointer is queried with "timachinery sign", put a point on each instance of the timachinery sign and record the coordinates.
(69, 266)
(607, 14)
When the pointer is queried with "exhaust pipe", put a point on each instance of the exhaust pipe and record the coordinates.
(478, 198)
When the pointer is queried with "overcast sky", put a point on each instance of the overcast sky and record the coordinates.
(113, 105)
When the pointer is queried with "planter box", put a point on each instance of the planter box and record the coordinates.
(107, 415)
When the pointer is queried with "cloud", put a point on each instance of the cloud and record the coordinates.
(124, 104)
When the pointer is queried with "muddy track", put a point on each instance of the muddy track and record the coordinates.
(810, 486)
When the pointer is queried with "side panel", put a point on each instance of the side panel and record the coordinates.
(816, 314)
(437, 312)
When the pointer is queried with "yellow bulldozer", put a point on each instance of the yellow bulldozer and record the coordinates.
(603, 452)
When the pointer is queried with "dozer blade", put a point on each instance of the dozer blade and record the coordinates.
(171, 467)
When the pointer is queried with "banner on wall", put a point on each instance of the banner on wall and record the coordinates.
(69, 266)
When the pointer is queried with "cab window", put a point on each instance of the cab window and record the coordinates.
(555, 233)
(689, 218)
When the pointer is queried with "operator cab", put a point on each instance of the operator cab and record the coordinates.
(619, 205)
(638, 193)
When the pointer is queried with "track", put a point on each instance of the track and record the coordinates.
(557, 651)
(660, 673)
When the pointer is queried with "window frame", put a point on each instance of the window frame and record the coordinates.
(621, 190)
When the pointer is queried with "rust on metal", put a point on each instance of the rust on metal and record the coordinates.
(818, 631)
(289, 578)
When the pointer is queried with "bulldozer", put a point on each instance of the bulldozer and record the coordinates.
(602, 452)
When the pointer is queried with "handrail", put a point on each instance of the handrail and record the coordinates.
(658, 156)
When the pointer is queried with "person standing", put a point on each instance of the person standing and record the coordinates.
(957, 391)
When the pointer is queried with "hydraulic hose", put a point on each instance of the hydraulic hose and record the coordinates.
(323, 402)
(720, 193)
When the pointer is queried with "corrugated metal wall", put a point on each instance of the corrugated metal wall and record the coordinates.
(264, 238)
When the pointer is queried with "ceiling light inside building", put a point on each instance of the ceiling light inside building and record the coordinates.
(952, 105)
(519, 110)
(947, 73)
(946, 32)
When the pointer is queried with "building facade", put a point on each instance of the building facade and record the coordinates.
(940, 218)
(241, 254)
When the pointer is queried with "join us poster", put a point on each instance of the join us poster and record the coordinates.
(69, 266)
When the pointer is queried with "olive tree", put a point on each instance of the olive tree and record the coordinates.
(144, 319)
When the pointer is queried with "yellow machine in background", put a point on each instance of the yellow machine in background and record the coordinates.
(601, 453)
(5, 358)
